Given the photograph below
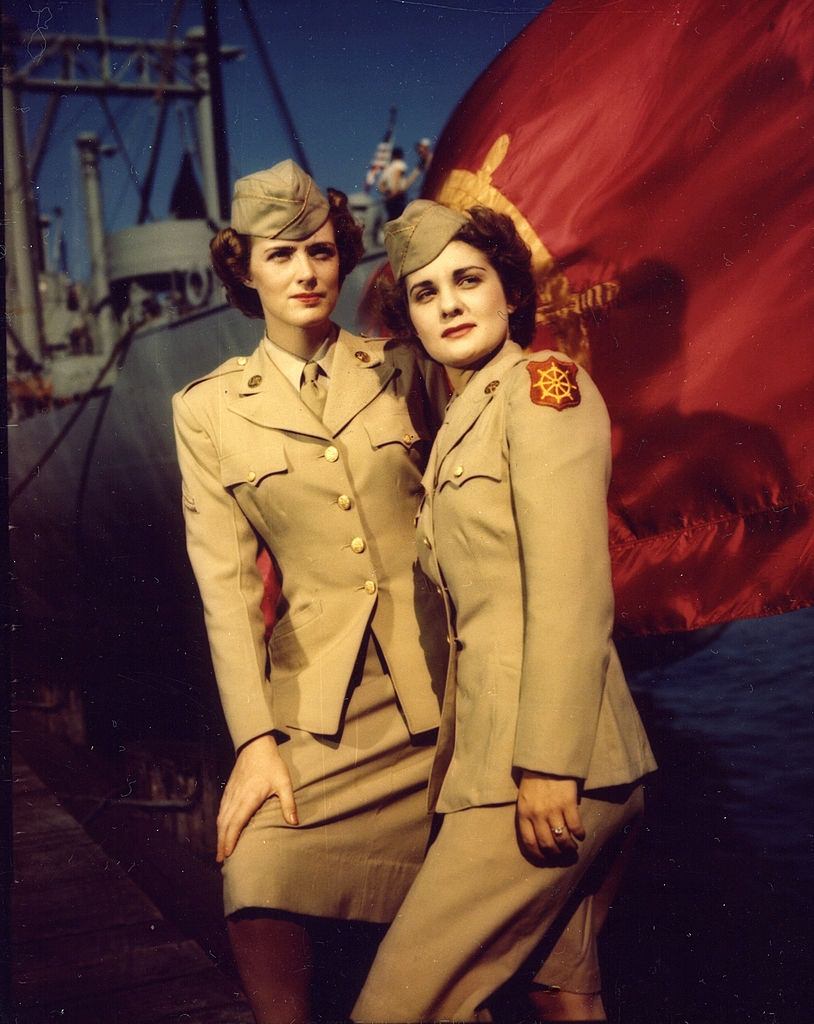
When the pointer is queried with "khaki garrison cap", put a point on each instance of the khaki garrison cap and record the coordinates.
(420, 234)
(281, 202)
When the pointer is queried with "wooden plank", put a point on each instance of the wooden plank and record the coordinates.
(60, 837)
(25, 780)
(37, 814)
(104, 962)
(211, 1015)
(87, 939)
(191, 1000)
(52, 848)
(186, 887)
(89, 947)
(77, 907)
(77, 858)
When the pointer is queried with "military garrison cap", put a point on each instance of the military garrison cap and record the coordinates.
(420, 234)
(281, 202)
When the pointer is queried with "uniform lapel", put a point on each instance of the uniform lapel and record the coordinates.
(428, 480)
(464, 410)
(266, 398)
(359, 373)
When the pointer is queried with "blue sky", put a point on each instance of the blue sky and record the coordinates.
(341, 66)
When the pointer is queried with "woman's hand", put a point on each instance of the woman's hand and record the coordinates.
(259, 773)
(548, 818)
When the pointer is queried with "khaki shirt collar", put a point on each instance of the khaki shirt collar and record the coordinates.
(291, 365)
(359, 370)
(465, 408)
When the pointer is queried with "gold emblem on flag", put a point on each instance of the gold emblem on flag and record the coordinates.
(557, 304)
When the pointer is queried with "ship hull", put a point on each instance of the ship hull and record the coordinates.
(98, 554)
(102, 585)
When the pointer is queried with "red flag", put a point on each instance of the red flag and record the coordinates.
(659, 159)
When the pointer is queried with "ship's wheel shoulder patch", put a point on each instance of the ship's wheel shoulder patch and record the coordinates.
(553, 383)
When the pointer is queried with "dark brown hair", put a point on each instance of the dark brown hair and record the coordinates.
(230, 253)
(495, 235)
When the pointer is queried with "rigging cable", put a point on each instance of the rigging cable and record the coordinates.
(120, 144)
(114, 129)
(40, 147)
(262, 53)
(167, 69)
(84, 476)
(30, 363)
(120, 348)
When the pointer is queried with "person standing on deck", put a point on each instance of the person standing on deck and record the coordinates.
(393, 184)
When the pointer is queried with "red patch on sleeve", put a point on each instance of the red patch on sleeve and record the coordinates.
(554, 383)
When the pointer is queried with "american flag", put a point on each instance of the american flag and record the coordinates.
(381, 158)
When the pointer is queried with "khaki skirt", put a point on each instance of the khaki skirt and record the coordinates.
(362, 805)
(480, 911)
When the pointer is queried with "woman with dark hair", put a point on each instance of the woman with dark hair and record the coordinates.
(312, 447)
(541, 752)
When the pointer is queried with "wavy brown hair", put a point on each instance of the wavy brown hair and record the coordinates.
(230, 251)
(495, 235)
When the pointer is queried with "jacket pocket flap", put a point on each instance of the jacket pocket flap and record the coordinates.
(253, 465)
(457, 471)
(395, 429)
(290, 621)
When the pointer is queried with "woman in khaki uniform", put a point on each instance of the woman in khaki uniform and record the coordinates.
(541, 751)
(313, 446)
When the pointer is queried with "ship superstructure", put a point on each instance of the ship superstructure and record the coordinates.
(97, 546)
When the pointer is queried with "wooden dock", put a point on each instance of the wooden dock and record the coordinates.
(89, 946)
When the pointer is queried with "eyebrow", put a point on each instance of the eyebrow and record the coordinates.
(457, 273)
(419, 284)
(327, 244)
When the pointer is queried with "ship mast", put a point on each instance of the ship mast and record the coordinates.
(217, 121)
(89, 152)
(25, 318)
(176, 69)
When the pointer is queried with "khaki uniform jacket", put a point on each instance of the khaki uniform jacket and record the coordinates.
(514, 532)
(334, 501)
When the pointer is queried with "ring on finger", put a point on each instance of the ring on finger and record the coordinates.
(557, 830)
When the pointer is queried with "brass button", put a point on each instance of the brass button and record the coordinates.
(344, 502)
(370, 586)
(357, 545)
(458, 471)
(331, 453)
(255, 381)
(363, 357)
(493, 385)
(242, 360)
(251, 476)
(409, 438)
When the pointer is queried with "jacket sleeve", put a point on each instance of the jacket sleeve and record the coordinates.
(559, 463)
(222, 548)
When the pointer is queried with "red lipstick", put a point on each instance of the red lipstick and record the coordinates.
(457, 331)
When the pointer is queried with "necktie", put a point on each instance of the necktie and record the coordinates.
(312, 390)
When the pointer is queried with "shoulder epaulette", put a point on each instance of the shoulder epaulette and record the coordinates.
(233, 365)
